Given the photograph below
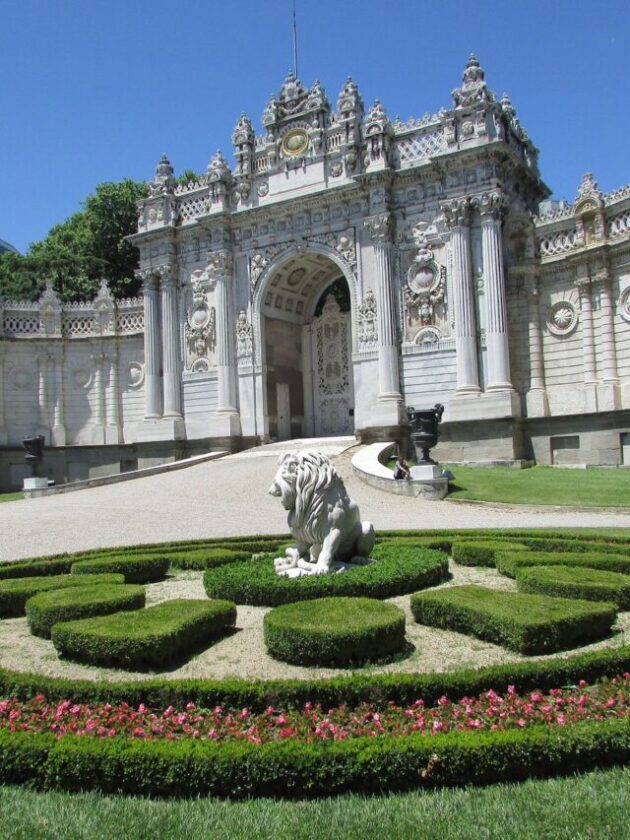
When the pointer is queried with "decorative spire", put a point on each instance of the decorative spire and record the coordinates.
(589, 188)
(164, 181)
(376, 119)
(243, 131)
(474, 88)
(349, 103)
(218, 169)
(292, 95)
(317, 98)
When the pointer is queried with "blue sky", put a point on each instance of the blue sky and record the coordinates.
(96, 90)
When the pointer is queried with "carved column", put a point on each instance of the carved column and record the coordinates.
(609, 397)
(588, 342)
(98, 388)
(537, 405)
(152, 346)
(3, 428)
(58, 429)
(113, 400)
(220, 267)
(379, 228)
(490, 208)
(457, 214)
(170, 345)
(43, 422)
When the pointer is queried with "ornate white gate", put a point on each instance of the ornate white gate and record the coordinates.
(333, 397)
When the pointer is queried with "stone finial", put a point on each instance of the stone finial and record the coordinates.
(474, 88)
(376, 119)
(218, 168)
(292, 95)
(243, 133)
(589, 188)
(349, 102)
(317, 98)
(163, 182)
(270, 114)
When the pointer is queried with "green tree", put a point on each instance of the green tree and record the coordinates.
(78, 253)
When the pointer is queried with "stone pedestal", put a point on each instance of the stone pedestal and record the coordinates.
(426, 472)
(35, 483)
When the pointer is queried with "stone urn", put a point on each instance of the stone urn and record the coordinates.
(424, 431)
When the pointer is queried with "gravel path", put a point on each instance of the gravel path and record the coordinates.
(243, 653)
(229, 497)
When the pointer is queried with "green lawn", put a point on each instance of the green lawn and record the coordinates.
(590, 806)
(11, 497)
(599, 487)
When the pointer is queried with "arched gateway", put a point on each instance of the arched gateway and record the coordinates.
(303, 315)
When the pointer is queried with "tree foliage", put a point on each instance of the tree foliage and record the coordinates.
(78, 253)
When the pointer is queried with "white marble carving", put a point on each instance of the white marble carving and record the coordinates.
(323, 519)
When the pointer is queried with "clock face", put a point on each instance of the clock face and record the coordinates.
(295, 142)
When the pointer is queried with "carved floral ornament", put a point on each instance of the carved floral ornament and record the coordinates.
(379, 227)
(562, 318)
(244, 338)
(367, 322)
(624, 304)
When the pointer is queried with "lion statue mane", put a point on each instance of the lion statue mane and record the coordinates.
(323, 519)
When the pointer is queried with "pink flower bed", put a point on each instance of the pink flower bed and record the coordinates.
(489, 711)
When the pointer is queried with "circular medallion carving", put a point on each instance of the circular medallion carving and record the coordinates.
(420, 278)
(21, 379)
(135, 375)
(624, 304)
(562, 318)
(295, 142)
(82, 378)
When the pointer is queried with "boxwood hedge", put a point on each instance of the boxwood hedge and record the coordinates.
(481, 552)
(136, 569)
(47, 608)
(36, 568)
(292, 769)
(530, 624)
(14, 593)
(575, 582)
(334, 631)
(377, 689)
(149, 638)
(507, 563)
(397, 570)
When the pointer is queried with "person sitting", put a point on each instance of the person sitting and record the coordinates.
(401, 470)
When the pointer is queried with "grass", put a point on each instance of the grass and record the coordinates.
(11, 497)
(599, 487)
(592, 806)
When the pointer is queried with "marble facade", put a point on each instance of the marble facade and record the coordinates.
(464, 284)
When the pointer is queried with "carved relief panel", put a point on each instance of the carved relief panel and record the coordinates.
(332, 385)
(424, 294)
(200, 327)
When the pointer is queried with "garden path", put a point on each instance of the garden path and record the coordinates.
(229, 497)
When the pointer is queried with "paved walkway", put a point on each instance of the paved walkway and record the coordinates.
(229, 497)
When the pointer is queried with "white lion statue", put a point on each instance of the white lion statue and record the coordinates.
(323, 519)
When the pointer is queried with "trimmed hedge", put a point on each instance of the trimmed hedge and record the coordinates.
(508, 563)
(481, 552)
(150, 638)
(15, 593)
(334, 631)
(575, 582)
(377, 689)
(207, 558)
(292, 769)
(135, 569)
(530, 624)
(397, 570)
(36, 568)
(47, 608)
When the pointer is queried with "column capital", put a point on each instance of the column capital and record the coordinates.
(490, 205)
(152, 276)
(220, 263)
(456, 212)
(380, 227)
